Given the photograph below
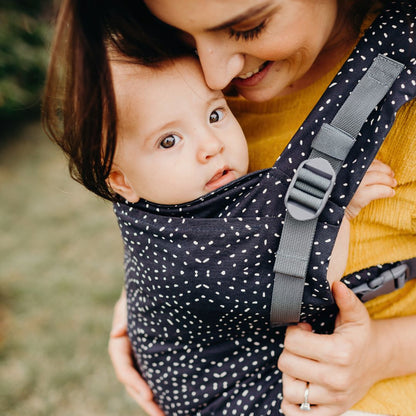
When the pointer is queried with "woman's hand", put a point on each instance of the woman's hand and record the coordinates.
(119, 348)
(340, 367)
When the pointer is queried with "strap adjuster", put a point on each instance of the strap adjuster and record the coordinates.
(310, 188)
(387, 282)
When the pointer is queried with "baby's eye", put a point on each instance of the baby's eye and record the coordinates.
(169, 141)
(216, 116)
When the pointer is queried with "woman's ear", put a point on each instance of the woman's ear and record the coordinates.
(121, 185)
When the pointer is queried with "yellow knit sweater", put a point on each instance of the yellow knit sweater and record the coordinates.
(384, 231)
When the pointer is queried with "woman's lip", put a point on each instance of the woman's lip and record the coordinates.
(221, 178)
(254, 79)
(251, 73)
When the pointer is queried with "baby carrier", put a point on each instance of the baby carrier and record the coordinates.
(211, 282)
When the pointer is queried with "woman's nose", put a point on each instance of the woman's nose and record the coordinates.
(220, 63)
(209, 146)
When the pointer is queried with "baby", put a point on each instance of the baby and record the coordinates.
(178, 140)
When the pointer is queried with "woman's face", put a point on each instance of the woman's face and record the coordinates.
(262, 47)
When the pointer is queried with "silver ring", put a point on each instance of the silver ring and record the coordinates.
(305, 406)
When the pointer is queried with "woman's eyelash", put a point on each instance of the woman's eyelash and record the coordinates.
(247, 34)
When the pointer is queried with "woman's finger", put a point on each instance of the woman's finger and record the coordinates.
(305, 369)
(322, 401)
(119, 350)
(149, 406)
(308, 344)
(119, 324)
(294, 391)
(291, 409)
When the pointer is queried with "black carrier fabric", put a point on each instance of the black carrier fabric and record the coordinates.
(199, 276)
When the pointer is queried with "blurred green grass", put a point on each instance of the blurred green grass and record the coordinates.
(60, 275)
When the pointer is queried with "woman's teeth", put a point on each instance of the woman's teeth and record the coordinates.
(250, 74)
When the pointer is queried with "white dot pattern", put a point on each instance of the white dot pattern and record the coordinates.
(199, 275)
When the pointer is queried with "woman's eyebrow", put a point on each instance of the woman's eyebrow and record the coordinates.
(241, 17)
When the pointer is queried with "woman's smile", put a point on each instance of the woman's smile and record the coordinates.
(255, 71)
(253, 78)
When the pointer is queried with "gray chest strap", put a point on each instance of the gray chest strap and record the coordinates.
(312, 184)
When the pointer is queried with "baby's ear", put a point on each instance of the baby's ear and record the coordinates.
(120, 184)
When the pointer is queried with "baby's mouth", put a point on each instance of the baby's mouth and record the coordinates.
(221, 178)
(218, 176)
(256, 71)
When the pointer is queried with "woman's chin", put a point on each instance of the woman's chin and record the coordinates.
(258, 95)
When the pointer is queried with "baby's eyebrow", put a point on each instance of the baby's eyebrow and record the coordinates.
(241, 17)
(216, 96)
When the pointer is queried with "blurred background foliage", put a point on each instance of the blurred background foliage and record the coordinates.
(25, 33)
(60, 248)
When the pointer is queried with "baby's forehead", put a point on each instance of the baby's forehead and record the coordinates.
(190, 70)
(151, 96)
(186, 70)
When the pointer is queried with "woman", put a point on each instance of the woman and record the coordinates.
(280, 56)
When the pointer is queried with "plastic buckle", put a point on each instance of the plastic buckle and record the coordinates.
(387, 282)
(309, 189)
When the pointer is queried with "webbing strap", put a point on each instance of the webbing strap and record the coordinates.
(332, 144)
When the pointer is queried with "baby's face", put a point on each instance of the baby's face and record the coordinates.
(177, 139)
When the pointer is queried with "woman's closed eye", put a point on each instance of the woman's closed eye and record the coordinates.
(169, 141)
(249, 34)
(216, 116)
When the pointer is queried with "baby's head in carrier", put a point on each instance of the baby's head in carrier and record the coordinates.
(177, 139)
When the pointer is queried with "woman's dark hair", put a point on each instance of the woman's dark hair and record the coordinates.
(79, 111)
(358, 9)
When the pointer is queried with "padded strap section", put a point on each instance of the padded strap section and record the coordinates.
(372, 87)
(333, 144)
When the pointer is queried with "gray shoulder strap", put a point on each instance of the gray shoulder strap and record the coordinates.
(312, 184)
